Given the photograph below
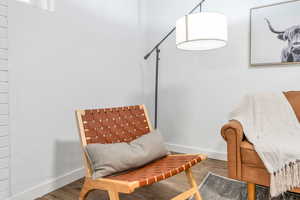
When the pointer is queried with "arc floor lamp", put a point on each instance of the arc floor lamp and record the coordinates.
(194, 31)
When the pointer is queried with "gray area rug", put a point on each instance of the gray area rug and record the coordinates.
(216, 187)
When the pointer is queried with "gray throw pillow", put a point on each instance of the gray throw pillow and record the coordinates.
(107, 159)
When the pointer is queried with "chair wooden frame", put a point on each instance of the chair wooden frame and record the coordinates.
(115, 187)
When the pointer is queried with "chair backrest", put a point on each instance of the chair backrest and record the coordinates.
(294, 99)
(112, 125)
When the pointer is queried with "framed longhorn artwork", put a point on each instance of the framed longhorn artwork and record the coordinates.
(275, 34)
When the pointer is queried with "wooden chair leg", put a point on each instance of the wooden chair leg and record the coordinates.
(193, 183)
(113, 195)
(251, 188)
(84, 191)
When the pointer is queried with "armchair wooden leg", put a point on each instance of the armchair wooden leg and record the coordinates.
(85, 190)
(193, 183)
(251, 191)
(113, 195)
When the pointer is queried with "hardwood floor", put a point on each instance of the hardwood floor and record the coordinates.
(160, 191)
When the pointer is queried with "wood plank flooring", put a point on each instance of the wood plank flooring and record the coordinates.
(160, 191)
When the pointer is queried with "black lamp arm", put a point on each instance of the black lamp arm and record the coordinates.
(162, 40)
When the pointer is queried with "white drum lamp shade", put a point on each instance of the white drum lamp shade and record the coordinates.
(201, 31)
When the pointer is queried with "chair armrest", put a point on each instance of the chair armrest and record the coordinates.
(232, 127)
(233, 134)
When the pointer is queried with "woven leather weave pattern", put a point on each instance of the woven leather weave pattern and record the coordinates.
(114, 125)
(159, 170)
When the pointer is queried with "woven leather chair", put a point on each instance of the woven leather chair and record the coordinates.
(125, 124)
(244, 164)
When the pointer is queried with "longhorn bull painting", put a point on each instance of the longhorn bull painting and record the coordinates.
(275, 34)
(290, 53)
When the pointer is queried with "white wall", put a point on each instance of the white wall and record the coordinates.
(199, 89)
(88, 54)
(83, 55)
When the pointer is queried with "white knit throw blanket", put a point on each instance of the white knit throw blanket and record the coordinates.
(270, 124)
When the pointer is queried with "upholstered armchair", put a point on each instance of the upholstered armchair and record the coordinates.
(244, 163)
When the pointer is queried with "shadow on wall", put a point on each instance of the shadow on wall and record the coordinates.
(68, 157)
(183, 123)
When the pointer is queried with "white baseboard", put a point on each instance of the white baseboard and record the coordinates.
(49, 185)
(190, 149)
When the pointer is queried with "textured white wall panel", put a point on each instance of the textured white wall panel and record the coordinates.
(3, 87)
(3, 126)
(4, 136)
(4, 2)
(3, 122)
(3, 10)
(3, 75)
